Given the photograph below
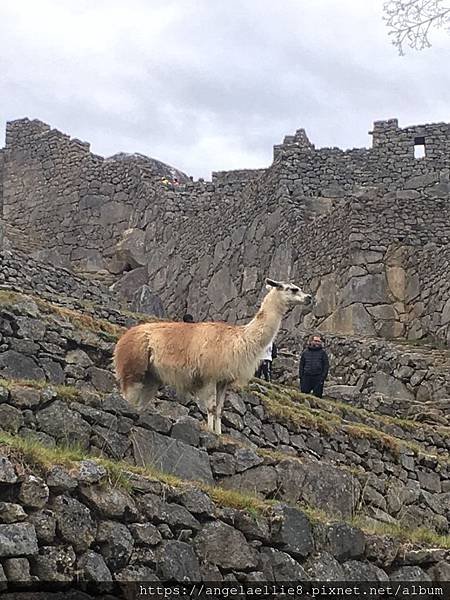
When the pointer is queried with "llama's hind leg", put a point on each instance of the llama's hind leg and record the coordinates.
(148, 394)
(221, 389)
(207, 395)
(140, 394)
(132, 393)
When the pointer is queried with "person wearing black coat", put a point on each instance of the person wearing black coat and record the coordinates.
(313, 369)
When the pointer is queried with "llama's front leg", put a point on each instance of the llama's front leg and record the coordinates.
(221, 389)
(210, 421)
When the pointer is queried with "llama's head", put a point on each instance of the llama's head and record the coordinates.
(290, 292)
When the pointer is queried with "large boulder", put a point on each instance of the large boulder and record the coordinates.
(131, 248)
(17, 366)
(325, 298)
(177, 561)
(351, 320)
(63, 424)
(279, 566)
(55, 563)
(261, 481)
(111, 502)
(171, 456)
(340, 540)
(390, 386)
(74, 522)
(221, 288)
(18, 539)
(330, 489)
(130, 282)
(368, 289)
(115, 543)
(324, 567)
(291, 531)
(146, 302)
(226, 547)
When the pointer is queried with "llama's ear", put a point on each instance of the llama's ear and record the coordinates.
(270, 283)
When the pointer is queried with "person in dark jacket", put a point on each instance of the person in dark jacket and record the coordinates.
(314, 365)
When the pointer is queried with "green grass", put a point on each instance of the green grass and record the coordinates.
(426, 342)
(140, 317)
(327, 403)
(406, 535)
(279, 405)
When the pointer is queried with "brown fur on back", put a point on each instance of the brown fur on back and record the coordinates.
(185, 355)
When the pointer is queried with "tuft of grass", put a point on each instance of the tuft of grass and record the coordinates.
(140, 317)
(407, 424)
(315, 515)
(415, 535)
(63, 391)
(280, 406)
(100, 326)
(36, 384)
(110, 330)
(8, 297)
(330, 405)
(39, 456)
(237, 500)
(389, 442)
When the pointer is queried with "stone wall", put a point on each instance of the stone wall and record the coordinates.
(333, 469)
(416, 376)
(21, 273)
(390, 161)
(206, 247)
(2, 227)
(380, 274)
(73, 526)
(394, 370)
(52, 349)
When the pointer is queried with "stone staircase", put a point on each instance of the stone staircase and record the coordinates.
(296, 487)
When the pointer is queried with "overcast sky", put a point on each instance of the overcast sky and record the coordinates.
(213, 84)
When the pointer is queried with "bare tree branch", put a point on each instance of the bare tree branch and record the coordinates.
(410, 21)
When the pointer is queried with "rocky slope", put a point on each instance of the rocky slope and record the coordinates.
(297, 488)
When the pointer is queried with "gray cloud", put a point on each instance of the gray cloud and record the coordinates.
(212, 85)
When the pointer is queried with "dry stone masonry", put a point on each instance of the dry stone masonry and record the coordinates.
(93, 492)
(367, 230)
(71, 525)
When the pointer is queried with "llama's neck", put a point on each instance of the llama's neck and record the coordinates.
(264, 326)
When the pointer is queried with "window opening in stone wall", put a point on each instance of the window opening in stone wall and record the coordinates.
(419, 147)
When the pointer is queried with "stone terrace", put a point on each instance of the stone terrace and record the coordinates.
(323, 476)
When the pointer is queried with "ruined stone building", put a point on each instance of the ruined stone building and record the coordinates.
(300, 488)
(366, 230)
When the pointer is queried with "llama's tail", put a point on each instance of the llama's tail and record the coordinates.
(131, 358)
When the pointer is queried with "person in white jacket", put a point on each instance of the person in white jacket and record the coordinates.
(265, 366)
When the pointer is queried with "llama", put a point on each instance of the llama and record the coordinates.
(202, 359)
